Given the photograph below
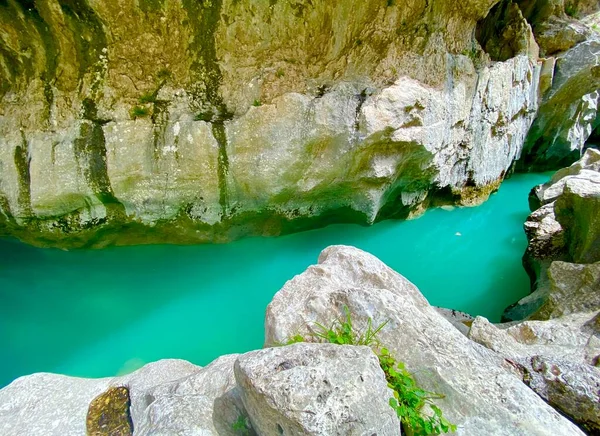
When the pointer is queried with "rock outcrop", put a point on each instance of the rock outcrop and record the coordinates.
(558, 359)
(441, 358)
(135, 122)
(563, 233)
(316, 389)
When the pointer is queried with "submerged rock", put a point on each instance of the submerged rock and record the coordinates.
(483, 393)
(316, 389)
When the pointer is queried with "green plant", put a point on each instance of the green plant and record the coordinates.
(409, 399)
(342, 332)
(279, 73)
(471, 54)
(241, 426)
(257, 103)
(571, 10)
(138, 112)
(147, 97)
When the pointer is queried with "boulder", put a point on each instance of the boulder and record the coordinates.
(571, 288)
(572, 388)
(49, 404)
(578, 212)
(206, 402)
(484, 394)
(557, 359)
(564, 226)
(316, 389)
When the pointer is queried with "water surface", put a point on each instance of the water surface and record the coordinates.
(100, 313)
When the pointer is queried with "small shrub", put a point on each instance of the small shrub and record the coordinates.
(241, 426)
(409, 399)
(279, 73)
(256, 103)
(147, 97)
(138, 112)
(571, 10)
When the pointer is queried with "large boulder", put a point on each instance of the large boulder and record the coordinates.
(206, 402)
(484, 394)
(558, 359)
(571, 288)
(165, 397)
(316, 389)
(563, 226)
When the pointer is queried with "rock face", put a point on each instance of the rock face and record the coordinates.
(166, 397)
(567, 32)
(563, 227)
(441, 358)
(316, 389)
(568, 112)
(133, 122)
(558, 359)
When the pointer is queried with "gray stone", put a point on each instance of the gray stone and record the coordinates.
(316, 389)
(578, 212)
(556, 358)
(571, 288)
(561, 338)
(204, 403)
(460, 320)
(484, 394)
(568, 112)
(572, 388)
(49, 404)
(564, 226)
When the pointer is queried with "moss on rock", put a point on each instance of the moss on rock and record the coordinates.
(108, 414)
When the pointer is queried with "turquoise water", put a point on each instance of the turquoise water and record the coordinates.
(100, 313)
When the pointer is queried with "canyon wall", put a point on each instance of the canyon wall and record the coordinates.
(127, 122)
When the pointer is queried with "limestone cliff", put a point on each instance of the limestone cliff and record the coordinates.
(191, 121)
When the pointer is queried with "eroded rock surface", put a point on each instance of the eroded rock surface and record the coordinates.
(135, 122)
(440, 357)
(558, 359)
(316, 389)
(564, 226)
(568, 112)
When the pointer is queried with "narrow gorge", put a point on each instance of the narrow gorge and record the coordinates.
(238, 182)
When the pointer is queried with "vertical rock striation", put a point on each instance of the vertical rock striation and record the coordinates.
(135, 122)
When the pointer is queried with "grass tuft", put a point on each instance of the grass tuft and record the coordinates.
(409, 399)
